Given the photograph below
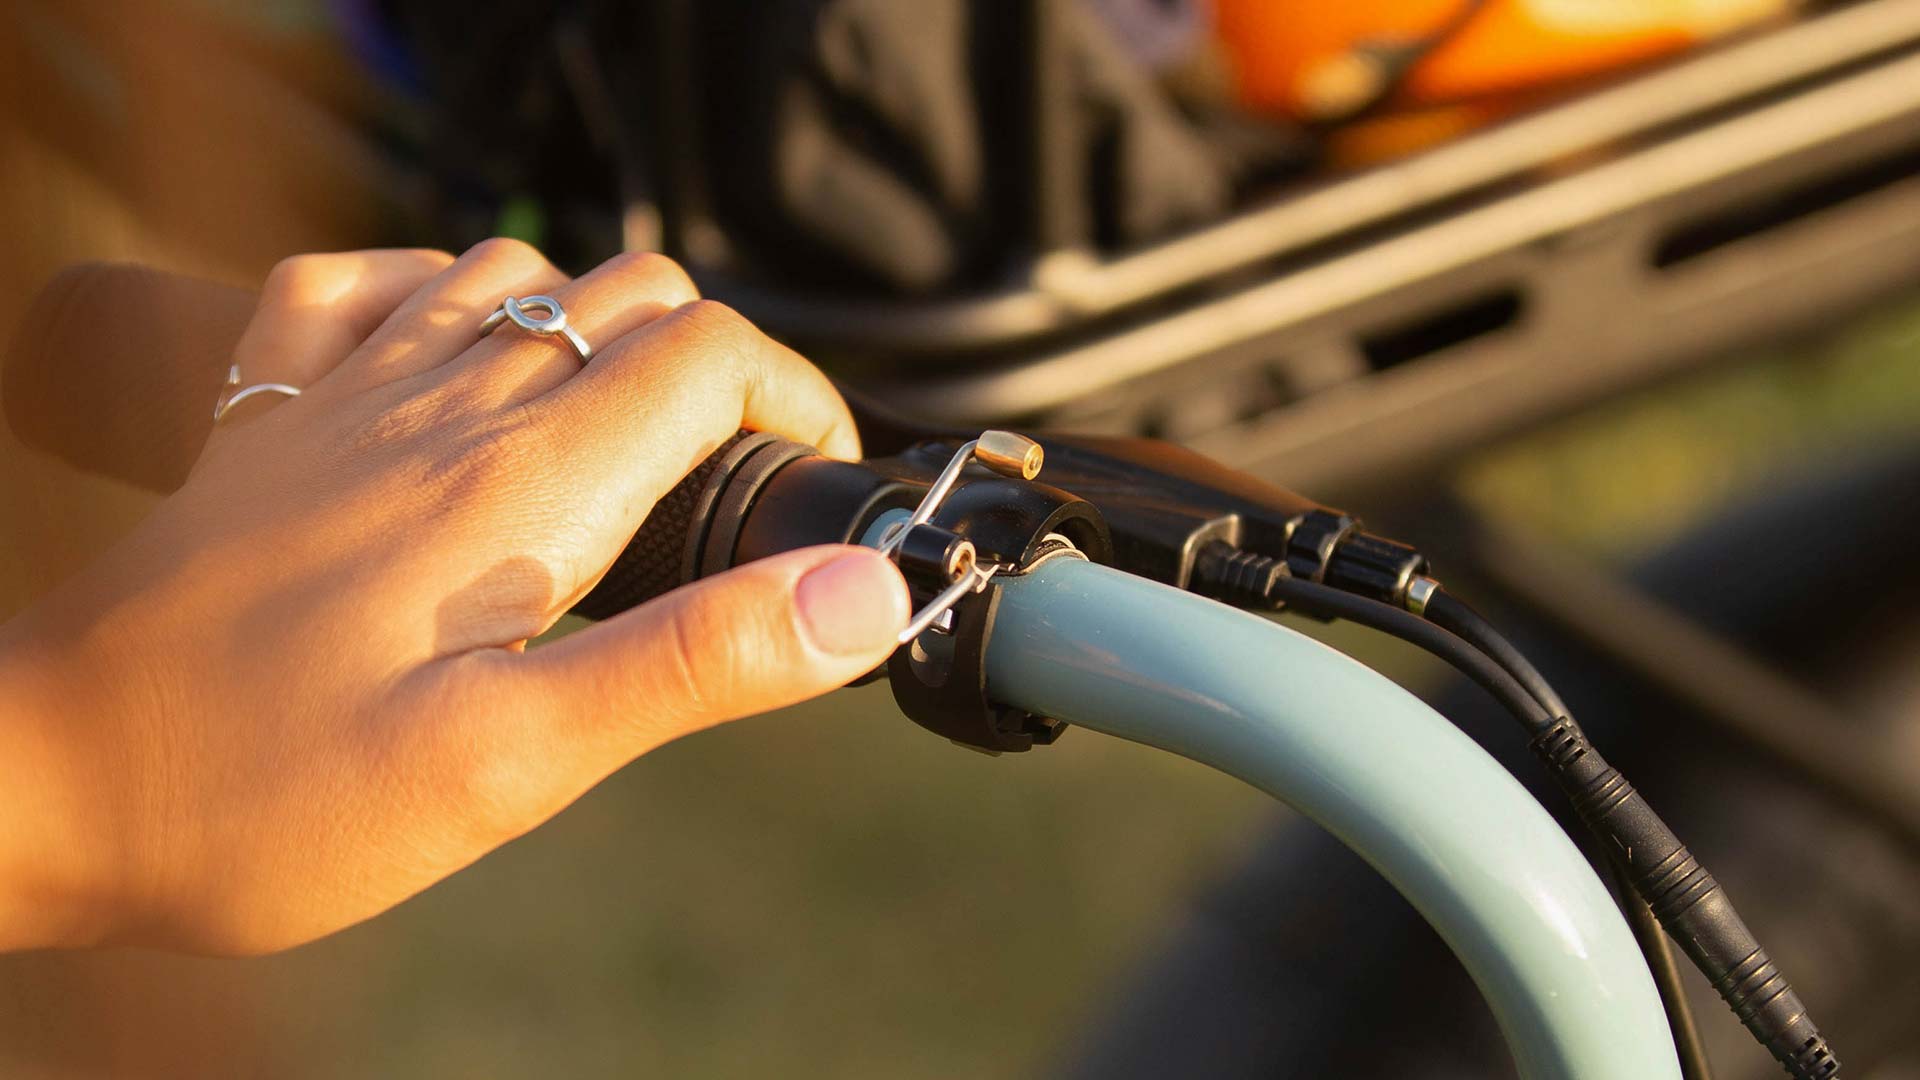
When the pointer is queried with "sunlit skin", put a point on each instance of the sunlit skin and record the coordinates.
(299, 693)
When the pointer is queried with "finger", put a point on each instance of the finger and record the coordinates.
(522, 735)
(512, 365)
(314, 310)
(659, 400)
(442, 318)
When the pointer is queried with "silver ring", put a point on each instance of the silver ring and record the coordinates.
(514, 309)
(232, 393)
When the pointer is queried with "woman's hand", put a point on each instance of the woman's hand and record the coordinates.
(297, 694)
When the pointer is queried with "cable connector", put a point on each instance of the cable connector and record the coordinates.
(1687, 900)
(1312, 539)
(1323, 545)
(1244, 579)
(1375, 567)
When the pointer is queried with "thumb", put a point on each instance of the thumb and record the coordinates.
(560, 718)
(771, 633)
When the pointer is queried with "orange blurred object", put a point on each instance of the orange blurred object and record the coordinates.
(1390, 135)
(1316, 61)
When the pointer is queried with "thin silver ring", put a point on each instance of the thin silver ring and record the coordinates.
(514, 309)
(233, 393)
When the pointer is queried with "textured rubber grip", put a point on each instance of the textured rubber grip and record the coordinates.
(661, 556)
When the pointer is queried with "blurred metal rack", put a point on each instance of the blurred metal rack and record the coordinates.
(1372, 324)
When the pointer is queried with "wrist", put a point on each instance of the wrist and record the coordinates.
(46, 897)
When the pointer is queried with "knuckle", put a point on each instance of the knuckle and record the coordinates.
(300, 279)
(655, 274)
(503, 253)
(717, 318)
(718, 327)
(432, 259)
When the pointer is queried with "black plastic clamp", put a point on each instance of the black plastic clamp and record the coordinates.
(939, 677)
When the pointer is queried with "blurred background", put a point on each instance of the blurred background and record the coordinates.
(1612, 307)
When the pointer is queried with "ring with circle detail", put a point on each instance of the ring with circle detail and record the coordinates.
(516, 309)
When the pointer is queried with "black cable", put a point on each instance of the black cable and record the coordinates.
(1526, 694)
(1687, 901)
(1740, 701)
(1666, 973)
(1219, 573)
(1459, 617)
(1456, 615)
(1450, 613)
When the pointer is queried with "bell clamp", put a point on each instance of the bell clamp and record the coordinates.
(938, 560)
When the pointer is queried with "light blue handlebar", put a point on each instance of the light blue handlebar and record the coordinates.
(1457, 835)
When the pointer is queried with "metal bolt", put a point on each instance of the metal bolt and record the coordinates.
(1009, 454)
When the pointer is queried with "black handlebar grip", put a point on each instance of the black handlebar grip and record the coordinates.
(667, 551)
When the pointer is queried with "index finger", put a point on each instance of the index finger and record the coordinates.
(657, 401)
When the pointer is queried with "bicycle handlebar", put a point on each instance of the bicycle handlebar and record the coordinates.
(1392, 779)
(1077, 641)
